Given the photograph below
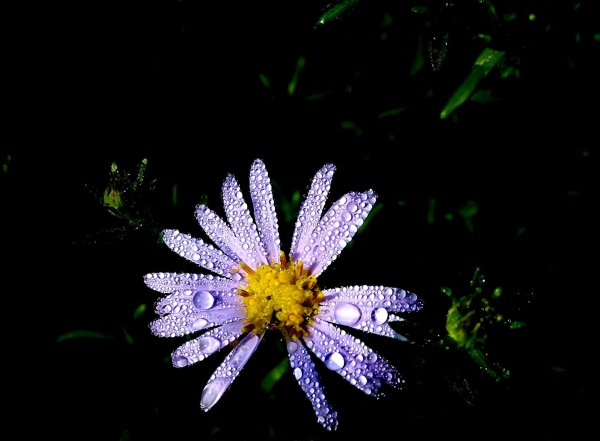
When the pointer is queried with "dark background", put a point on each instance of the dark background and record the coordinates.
(179, 83)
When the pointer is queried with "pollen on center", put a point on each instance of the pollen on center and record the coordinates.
(281, 296)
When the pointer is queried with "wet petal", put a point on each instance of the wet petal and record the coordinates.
(264, 210)
(305, 373)
(229, 370)
(336, 229)
(170, 282)
(221, 234)
(197, 300)
(351, 358)
(241, 222)
(207, 344)
(199, 252)
(368, 308)
(310, 212)
(190, 320)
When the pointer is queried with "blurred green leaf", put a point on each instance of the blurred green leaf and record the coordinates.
(128, 337)
(174, 194)
(419, 9)
(335, 11)
(139, 311)
(517, 325)
(597, 37)
(351, 125)
(274, 375)
(419, 58)
(391, 112)
(484, 96)
(376, 209)
(483, 65)
(265, 81)
(296, 77)
(83, 334)
(431, 211)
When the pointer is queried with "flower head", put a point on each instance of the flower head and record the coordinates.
(257, 288)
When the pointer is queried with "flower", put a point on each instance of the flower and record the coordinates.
(258, 289)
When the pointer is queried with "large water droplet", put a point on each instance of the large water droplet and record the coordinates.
(292, 347)
(379, 316)
(347, 314)
(244, 351)
(212, 392)
(208, 344)
(195, 256)
(346, 216)
(180, 361)
(203, 300)
(298, 373)
(335, 361)
(199, 324)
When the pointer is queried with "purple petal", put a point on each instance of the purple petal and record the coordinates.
(169, 282)
(241, 222)
(368, 308)
(264, 210)
(228, 371)
(190, 320)
(305, 373)
(221, 234)
(197, 300)
(310, 212)
(207, 344)
(199, 252)
(351, 358)
(336, 229)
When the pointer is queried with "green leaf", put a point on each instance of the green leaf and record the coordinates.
(481, 68)
(83, 334)
(128, 337)
(274, 375)
(517, 325)
(391, 112)
(265, 81)
(174, 194)
(139, 311)
(335, 11)
(431, 211)
(294, 81)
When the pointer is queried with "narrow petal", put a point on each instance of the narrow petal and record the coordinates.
(170, 282)
(189, 320)
(264, 210)
(207, 344)
(305, 373)
(221, 234)
(351, 358)
(310, 212)
(197, 300)
(229, 370)
(336, 229)
(241, 221)
(199, 252)
(368, 308)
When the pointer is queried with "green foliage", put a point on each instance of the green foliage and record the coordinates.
(83, 334)
(336, 11)
(274, 375)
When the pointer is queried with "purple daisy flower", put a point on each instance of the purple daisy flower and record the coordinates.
(258, 289)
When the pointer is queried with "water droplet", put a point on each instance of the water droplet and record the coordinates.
(379, 316)
(298, 373)
(352, 208)
(346, 216)
(341, 243)
(372, 357)
(343, 200)
(347, 314)
(195, 256)
(199, 324)
(212, 392)
(208, 345)
(180, 361)
(362, 380)
(203, 300)
(335, 361)
(292, 347)
(244, 351)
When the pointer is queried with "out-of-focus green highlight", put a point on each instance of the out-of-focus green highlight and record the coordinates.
(274, 375)
(482, 67)
(335, 11)
(83, 334)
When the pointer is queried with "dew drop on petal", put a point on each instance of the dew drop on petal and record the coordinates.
(208, 344)
(335, 361)
(243, 352)
(379, 316)
(347, 314)
(212, 392)
(298, 373)
(203, 300)
(180, 361)
(199, 324)
(292, 347)
(362, 380)
(346, 216)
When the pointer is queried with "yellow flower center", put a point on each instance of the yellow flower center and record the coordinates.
(282, 296)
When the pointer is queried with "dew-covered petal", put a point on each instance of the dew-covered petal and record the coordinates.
(336, 229)
(351, 358)
(305, 373)
(220, 233)
(368, 308)
(310, 212)
(197, 300)
(170, 282)
(207, 344)
(241, 221)
(264, 210)
(228, 370)
(190, 320)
